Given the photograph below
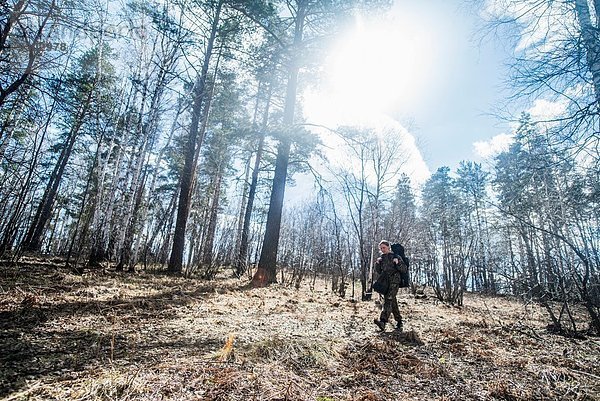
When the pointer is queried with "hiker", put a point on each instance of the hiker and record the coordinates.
(390, 264)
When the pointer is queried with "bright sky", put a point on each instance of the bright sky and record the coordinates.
(425, 72)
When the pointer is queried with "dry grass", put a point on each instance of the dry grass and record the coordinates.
(105, 336)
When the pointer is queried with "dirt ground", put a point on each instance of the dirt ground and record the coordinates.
(118, 336)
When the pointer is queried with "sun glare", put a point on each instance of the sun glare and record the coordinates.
(377, 67)
(374, 72)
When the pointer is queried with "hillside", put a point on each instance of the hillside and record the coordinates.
(106, 336)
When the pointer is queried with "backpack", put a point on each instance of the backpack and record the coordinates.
(399, 250)
(404, 276)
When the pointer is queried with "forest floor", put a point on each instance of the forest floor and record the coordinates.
(116, 336)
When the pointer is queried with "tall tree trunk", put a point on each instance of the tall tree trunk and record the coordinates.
(125, 256)
(267, 265)
(100, 217)
(242, 212)
(105, 200)
(209, 238)
(33, 239)
(129, 216)
(137, 187)
(243, 251)
(151, 188)
(591, 41)
(152, 185)
(151, 125)
(163, 225)
(91, 207)
(147, 128)
(194, 140)
(11, 228)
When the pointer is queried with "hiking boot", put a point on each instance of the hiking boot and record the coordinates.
(379, 324)
(399, 326)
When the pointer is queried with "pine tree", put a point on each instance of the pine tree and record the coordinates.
(87, 92)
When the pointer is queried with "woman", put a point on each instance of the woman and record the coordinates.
(391, 264)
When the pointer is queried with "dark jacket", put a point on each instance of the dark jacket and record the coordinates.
(387, 264)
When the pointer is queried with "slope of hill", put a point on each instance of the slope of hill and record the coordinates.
(104, 336)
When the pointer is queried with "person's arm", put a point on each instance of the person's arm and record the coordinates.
(400, 265)
(378, 265)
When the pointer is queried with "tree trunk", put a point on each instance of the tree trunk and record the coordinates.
(102, 220)
(99, 236)
(240, 265)
(125, 258)
(10, 229)
(33, 239)
(209, 238)
(163, 225)
(243, 251)
(81, 213)
(148, 129)
(187, 174)
(267, 265)
(152, 185)
(591, 42)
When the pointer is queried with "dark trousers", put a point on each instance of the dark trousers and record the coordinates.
(390, 305)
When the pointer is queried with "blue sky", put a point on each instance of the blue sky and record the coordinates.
(470, 83)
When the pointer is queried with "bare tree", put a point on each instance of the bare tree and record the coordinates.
(368, 188)
(557, 59)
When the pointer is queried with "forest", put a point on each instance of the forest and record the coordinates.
(152, 143)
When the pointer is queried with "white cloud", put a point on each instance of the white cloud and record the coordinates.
(545, 110)
(493, 147)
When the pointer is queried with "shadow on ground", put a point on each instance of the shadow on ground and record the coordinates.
(43, 339)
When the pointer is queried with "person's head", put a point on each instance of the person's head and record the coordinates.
(384, 246)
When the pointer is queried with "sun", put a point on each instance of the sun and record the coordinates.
(372, 68)
(376, 67)
(375, 71)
